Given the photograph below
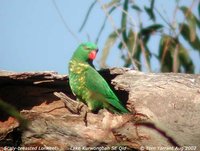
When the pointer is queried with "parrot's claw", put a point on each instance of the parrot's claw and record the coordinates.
(79, 107)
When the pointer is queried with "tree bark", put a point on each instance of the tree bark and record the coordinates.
(165, 112)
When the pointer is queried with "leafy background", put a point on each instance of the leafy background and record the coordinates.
(176, 37)
(149, 35)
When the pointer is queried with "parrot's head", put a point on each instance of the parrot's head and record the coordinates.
(86, 52)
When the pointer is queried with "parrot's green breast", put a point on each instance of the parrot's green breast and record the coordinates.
(77, 82)
(77, 79)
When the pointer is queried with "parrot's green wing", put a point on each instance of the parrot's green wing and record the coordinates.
(99, 87)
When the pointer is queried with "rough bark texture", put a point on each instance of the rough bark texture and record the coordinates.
(165, 112)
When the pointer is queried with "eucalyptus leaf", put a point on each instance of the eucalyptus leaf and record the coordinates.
(111, 3)
(185, 60)
(150, 11)
(137, 8)
(166, 47)
(199, 9)
(151, 29)
(191, 21)
(131, 40)
(137, 56)
(185, 32)
(124, 20)
(109, 43)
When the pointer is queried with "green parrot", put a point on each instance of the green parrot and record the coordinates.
(88, 85)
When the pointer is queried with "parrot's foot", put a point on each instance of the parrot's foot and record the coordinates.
(75, 107)
(79, 107)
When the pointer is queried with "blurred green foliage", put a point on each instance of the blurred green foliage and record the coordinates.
(12, 111)
(172, 54)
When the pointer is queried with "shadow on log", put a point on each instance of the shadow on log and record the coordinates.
(165, 112)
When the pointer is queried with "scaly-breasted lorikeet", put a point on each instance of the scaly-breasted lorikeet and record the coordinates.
(88, 85)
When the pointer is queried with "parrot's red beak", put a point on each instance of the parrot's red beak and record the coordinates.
(92, 55)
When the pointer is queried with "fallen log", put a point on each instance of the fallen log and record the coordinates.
(165, 111)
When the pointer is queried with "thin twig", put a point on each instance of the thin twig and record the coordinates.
(175, 60)
(175, 55)
(174, 15)
(186, 15)
(64, 22)
(163, 18)
(144, 54)
(133, 23)
(103, 25)
(171, 28)
(87, 15)
(165, 51)
(115, 29)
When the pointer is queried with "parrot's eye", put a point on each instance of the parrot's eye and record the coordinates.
(86, 48)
